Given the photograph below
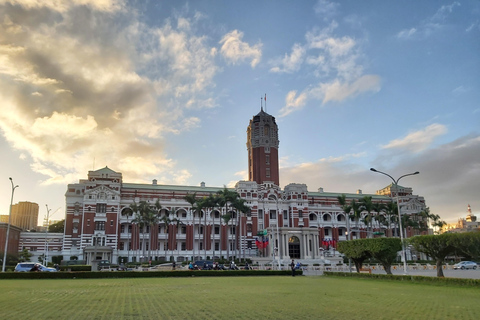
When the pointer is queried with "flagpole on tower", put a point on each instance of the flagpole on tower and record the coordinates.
(265, 102)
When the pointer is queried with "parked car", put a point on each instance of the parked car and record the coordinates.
(204, 264)
(28, 266)
(465, 265)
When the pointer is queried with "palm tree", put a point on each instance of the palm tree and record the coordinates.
(212, 202)
(146, 215)
(379, 207)
(226, 218)
(140, 209)
(342, 200)
(201, 204)
(367, 205)
(357, 212)
(241, 207)
(128, 213)
(166, 221)
(226, 197)
(391, 212)
(192, 200)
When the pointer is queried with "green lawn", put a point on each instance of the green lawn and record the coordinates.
(234, 298)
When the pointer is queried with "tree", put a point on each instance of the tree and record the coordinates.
(226, 218)
(385, 251)
(379, 207)
(357, 212)
(240, 206)
(437, 223)
(468, 244)
(342, 200)
(366, 204)
(192, 200)
(355, 250)
(201, 204)
(227, 197)
(391, 211)
(145, 215)
(435, 246)
(24, 255)
(57, 227)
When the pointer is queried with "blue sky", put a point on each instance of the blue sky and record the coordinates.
(165, 90)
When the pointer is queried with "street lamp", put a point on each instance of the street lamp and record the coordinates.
(399, 214)
(45, 258)
(347, 234)
(8, 227)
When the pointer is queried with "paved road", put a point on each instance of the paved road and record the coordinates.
(469, 274)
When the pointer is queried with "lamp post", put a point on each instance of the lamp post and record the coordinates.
(399, 214)
(8, 226)
(45, 258)
(347, 234)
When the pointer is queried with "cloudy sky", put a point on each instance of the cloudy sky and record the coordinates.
(165, 90)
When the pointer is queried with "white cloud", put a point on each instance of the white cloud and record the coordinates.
(429, 25)
(326, 9)
(290, 63)
(335, 64)
(407, 33)
(234, 50)
(419, 140)
(293, 102)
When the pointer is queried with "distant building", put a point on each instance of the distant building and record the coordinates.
(13, 238)
(25, 215)
(37, 244)
(282, 223)
(409, 203)
(467, 224)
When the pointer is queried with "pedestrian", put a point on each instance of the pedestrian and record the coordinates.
(174, 265)
(292, 266)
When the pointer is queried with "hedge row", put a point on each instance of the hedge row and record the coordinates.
(414, 279)
(144, 274)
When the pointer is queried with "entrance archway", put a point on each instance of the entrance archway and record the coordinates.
(294, 247)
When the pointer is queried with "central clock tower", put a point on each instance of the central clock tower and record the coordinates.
(262, 146)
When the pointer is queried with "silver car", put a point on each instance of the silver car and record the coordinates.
(28, 266)
(465, 265)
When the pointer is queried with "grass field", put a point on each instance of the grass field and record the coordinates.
(234, 298)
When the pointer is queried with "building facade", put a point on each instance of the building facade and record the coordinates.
(25, 215)
(281, 224)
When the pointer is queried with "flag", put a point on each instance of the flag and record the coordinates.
(258, 243)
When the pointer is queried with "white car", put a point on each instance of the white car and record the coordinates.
(465, 265)
(28, 266)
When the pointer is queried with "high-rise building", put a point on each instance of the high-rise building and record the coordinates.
(25, 215)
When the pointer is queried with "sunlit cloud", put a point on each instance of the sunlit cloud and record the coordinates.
(419, 140)
(234, 50)
(86, 89)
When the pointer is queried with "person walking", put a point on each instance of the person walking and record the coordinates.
(292, 266)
